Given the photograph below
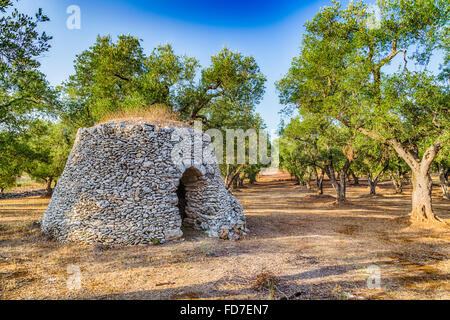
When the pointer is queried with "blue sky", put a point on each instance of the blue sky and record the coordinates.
(270, 31)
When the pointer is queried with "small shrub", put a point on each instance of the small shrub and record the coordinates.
(266, 280)
(155, 241)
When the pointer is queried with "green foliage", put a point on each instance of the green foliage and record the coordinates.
(24, 92)
(12, 159)
(229, 115)
(50, 145)
(118, 76)
(23, 89)
(233, 84)
(339, 70)
(317, 142)
(293, 159)
(155, 241)
(372, 158)
(251, 172)
(414, 109)
(312, 142)
(398, 171)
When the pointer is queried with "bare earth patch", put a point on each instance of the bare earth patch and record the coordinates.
(311, 248)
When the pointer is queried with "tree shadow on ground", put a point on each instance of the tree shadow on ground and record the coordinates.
(316, 286)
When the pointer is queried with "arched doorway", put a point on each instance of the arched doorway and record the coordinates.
(188, 193)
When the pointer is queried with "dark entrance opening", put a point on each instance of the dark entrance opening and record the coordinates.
(181, 193)
(187, 192)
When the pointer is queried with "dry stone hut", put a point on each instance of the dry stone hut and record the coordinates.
(133, 182)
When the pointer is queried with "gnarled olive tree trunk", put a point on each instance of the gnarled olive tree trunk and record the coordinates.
(397, 181)
(372, 185)
(421, 196)
(421, 180)
(308, 179)
(232, 175)
(48, 188)
(373, 181)
(339, 182)
(355, 178)
(319, 181)
(421, 210)
(443, 180)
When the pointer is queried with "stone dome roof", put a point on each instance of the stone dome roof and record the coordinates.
(129, 182)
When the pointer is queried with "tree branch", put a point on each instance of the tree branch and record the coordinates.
(429, 156)
(121, 77)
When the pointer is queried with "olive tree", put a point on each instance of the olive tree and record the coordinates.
(343, 72)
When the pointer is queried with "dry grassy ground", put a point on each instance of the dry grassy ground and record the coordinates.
(313, 249)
